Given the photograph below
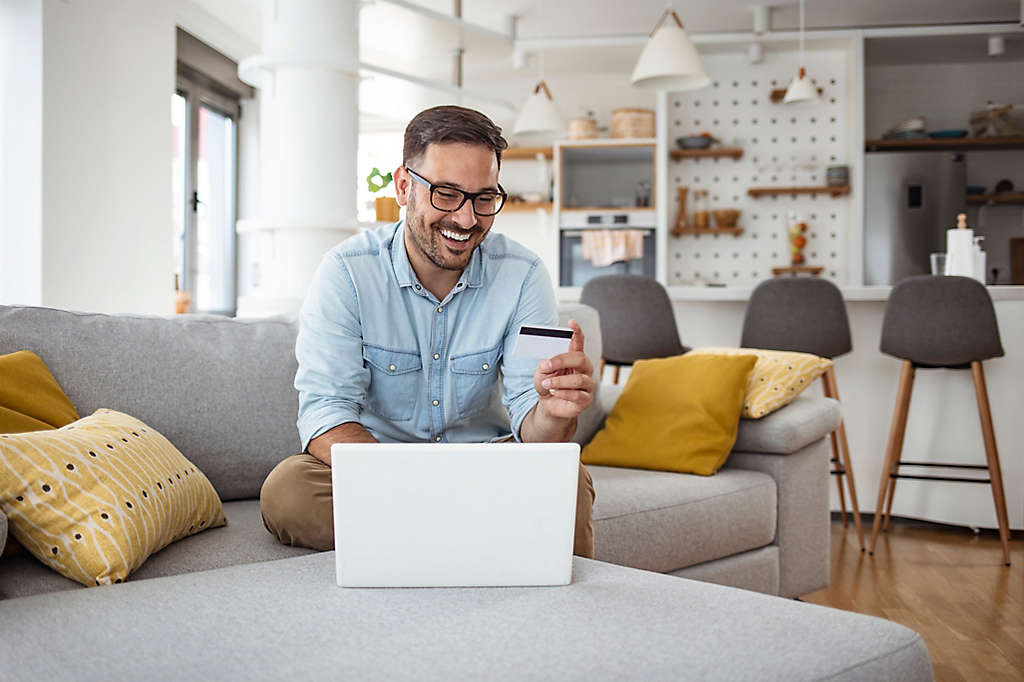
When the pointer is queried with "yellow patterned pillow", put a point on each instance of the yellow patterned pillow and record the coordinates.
(94, 499)
(778, 377)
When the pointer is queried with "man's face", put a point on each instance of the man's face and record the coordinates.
(447, 239)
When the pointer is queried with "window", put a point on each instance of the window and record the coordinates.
(204, 115)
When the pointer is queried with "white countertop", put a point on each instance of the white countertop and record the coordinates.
(706, 293)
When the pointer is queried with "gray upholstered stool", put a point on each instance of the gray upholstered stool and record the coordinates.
(940, 323)
(808, 315)
(637, 321)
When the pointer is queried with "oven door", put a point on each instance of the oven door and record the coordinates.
(575, 270)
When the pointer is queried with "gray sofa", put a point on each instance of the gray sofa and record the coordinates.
(221, 391)
(231, 603)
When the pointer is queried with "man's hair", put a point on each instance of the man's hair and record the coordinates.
(440, 125)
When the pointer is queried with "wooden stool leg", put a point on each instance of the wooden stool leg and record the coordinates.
(895, 465)
(844, 448)
(827, 390)
(992, 455)
(895, 446)
(600, 372)
(615, 374)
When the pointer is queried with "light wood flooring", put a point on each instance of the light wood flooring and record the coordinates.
(948, 584)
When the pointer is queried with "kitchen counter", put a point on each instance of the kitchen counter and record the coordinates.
(706, 293)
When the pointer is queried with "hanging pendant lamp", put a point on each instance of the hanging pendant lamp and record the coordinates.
(669, 60)
(538, 114)
(801, 89)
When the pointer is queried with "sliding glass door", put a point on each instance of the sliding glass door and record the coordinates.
(205, 186)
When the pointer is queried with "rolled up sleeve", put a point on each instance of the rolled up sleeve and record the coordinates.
(331, 378)
(536, 307)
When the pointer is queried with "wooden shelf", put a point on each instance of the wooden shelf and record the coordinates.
(1000, 198)
(523, 206)
(605, 209)
(798, 270)
(527, 153)
(733, 153)
(767, 191)
(957, 144)
(736, 231)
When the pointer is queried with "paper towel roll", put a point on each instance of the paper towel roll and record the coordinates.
(960, 252)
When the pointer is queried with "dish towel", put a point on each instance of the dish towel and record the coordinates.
(604, 247)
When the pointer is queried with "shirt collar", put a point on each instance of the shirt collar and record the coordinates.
(472, 275)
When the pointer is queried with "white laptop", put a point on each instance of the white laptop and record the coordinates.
(454, 515)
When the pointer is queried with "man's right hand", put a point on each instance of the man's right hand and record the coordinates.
(349, 432)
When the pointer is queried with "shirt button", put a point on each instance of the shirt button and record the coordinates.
(437, 356)
(391, 367)
(486, 366)
(418, 287)
(440, 308)
(436, 403)
(437, 439)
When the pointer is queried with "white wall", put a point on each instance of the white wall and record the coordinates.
(108, 75)
(21, 131)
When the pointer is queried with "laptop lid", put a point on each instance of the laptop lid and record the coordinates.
(449, 514)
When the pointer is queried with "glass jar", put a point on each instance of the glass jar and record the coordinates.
(701, 209)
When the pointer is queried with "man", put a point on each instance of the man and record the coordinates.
(405, 328)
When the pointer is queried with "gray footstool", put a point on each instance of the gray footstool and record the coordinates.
(288, 620)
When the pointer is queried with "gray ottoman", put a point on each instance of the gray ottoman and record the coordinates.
(287, 619)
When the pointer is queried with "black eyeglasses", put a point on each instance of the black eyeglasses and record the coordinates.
(450, 199)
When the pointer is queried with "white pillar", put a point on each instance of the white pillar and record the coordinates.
(309, 109)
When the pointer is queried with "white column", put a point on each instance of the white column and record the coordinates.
(309, 109)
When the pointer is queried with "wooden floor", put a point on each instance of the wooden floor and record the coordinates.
(948, 584)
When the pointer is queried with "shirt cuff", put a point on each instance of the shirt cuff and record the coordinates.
(314, 423)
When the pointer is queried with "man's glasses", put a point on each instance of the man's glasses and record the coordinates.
(450, 199)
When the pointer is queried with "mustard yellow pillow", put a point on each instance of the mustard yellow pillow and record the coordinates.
(30, 398)
(94, 499)
(675, 414)
(778, 377)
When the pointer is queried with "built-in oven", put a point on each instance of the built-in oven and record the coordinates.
(576, 268)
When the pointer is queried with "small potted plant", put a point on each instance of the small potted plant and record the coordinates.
(386, 207)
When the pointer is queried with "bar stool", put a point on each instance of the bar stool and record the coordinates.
(637, 321)
(808, 315)
(940, 323)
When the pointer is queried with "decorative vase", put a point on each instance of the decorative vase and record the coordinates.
(387, 209)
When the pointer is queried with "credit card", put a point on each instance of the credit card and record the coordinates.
(539, 342)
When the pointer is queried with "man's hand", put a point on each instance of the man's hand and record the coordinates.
(349, 432)
(565, 383)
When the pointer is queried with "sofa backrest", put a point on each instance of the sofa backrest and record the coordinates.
(220, 389)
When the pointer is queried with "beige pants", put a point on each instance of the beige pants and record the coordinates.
(296, 501)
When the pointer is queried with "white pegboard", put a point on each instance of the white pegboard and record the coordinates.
(783, 145)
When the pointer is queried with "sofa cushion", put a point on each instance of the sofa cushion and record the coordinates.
(675, 414)
(220, 389)
(30, 398)
(244, 540)
(94, 499)
(663, 521)
(778, 377)
(797, 425)
(287, 619)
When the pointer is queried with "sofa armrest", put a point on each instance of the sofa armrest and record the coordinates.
(802, 528)
(791, 428)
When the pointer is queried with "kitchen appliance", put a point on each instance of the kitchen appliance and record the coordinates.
(912, 198)
(575, 270)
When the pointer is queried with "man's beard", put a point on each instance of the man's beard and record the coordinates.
(429, 241)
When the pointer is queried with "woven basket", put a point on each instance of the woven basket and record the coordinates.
(633, 123)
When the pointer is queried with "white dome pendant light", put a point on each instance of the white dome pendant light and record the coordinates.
(539, 114)
(669, 60)
(801, 89)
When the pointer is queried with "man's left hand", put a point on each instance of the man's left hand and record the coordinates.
(565, 383)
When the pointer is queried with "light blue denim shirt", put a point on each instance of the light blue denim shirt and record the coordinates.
(375, 347)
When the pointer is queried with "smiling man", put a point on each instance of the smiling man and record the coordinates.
(406, 332)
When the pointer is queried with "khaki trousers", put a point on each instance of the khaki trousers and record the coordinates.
(298, 509)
